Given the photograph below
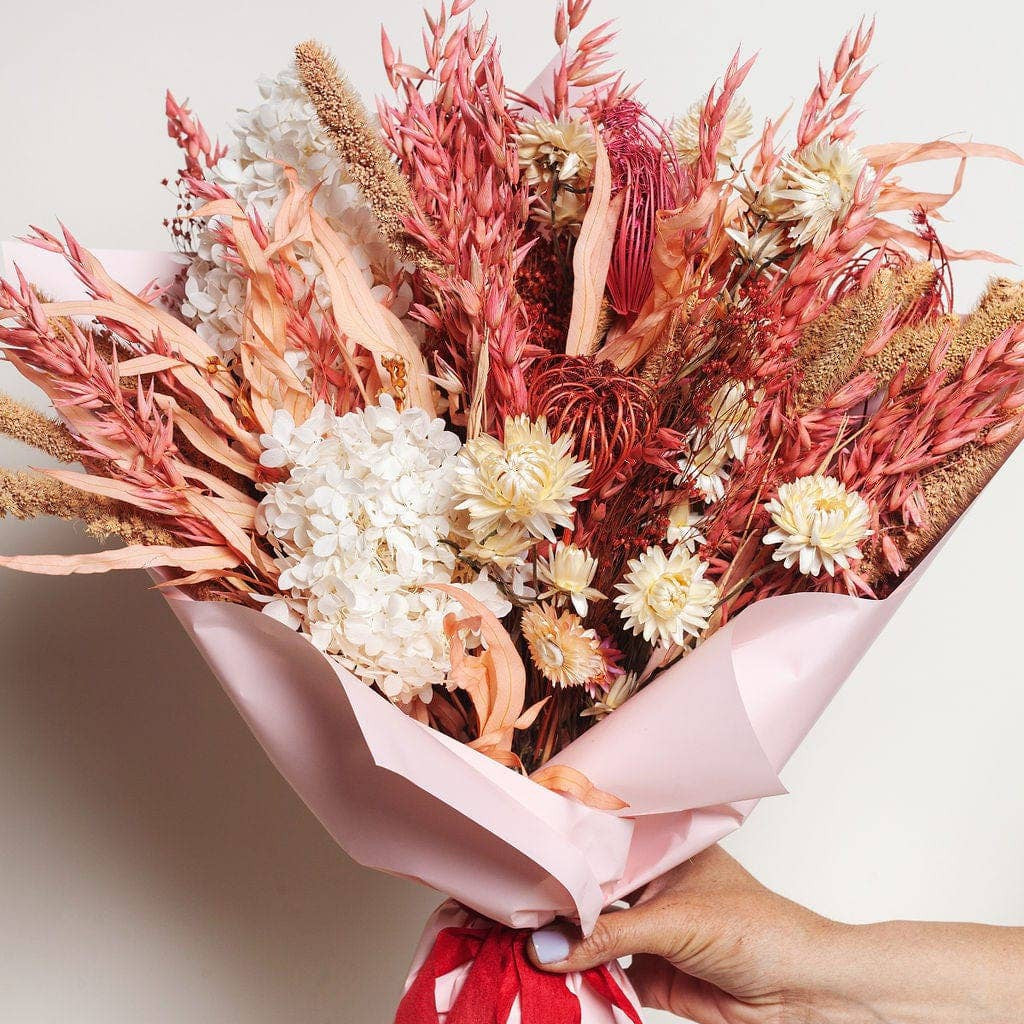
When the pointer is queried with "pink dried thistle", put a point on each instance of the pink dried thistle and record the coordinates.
(645, 169)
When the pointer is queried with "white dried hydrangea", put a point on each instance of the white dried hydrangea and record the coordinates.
(360, 525)
(282, 129)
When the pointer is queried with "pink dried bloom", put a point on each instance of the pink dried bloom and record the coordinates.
(645, 169)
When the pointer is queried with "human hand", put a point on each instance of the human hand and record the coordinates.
(711, 943)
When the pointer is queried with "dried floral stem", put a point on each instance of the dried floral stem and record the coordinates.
(30, 427)
(28, 495)
(831, 348)
(345, 122)
(948, 491)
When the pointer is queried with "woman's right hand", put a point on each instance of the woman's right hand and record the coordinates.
(712, 944)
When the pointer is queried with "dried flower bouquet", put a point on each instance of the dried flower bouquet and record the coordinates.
(508, 403)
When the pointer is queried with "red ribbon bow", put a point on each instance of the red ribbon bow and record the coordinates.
(500, 971)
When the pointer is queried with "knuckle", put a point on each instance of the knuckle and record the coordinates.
(601, 945)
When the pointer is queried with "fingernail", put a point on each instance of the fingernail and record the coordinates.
(551, 945)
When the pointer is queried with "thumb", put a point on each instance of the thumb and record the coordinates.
(560, 949)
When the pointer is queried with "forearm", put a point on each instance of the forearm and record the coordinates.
(910, 973)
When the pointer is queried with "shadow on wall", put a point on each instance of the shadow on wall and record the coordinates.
(112, 726)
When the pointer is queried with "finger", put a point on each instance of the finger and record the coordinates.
(561, 950)
(660, 986)
(651, 977)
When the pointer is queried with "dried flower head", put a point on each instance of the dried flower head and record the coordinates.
(610, 416)
(684, 523)
(564, 652)
(568, 573)
(665, 598)
(620, 691)
(525, 479)
(818, 524)
(739, 122)
(813, 191)
(360, 524)
(558, 159)
(723, 439)
(759, 245)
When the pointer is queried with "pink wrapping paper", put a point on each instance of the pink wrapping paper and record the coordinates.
(691, 754)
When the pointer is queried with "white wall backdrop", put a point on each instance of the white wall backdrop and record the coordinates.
(153, 866)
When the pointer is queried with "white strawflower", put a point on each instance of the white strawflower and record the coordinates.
(527, 479)
(665, 598)
(506, 548)
(567, 573)
(724, 438)
(818, 525)
(759, 246)
(813, 190)
(282, 129)
(564, 652)
(706, 466)
(620, 691)
(739, 122)
(684, 523)
(361, 525)
(558, 159)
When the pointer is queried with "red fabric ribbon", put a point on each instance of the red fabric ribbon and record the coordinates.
(500, 971)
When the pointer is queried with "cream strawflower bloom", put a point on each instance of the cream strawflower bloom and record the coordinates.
(706, 466)
(684, 523)
(506, 548)
(620, 691)
(713, 447)
(526, 479)
(567, 573)
(360, 526)
(818, 524)
(665, 598)
(813, 190)
(564, 652)
(739, 122)
(759, 246)
(558, 159)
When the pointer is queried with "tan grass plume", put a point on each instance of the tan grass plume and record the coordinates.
(344, 120)
(30, 427)
(28, 495)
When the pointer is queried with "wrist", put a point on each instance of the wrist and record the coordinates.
(907, 973)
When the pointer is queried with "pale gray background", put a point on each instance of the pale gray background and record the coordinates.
(153, 866)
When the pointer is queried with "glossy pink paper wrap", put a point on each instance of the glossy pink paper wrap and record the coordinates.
(691, 754)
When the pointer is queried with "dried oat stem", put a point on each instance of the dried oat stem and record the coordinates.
(30, 427)
(344, 120)
(951, 487)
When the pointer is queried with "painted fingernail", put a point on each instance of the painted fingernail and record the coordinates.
(551, 945)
